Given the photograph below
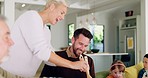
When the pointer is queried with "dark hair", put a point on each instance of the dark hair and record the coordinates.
(84, 32)
(146, 55)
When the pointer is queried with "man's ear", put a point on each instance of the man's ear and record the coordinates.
(72, 40)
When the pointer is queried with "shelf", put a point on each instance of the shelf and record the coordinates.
(130, 34)
(124, 28)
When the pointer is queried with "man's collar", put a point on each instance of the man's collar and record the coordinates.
(69, 52)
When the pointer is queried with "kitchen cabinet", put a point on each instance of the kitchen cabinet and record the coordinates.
(129, 37)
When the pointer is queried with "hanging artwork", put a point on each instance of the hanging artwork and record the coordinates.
(130, 42)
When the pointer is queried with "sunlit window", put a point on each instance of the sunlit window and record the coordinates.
(71, 29)
(98, 37)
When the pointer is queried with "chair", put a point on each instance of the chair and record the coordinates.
(126, 59)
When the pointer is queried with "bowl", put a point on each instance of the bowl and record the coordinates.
(128, 13)
(95, 50)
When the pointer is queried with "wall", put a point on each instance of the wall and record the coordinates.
(59, 33)
(119, 13)
(104, 18)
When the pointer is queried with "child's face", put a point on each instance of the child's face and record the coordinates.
(145, 63)
(116, 73)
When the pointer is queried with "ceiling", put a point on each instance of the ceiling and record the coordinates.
(77, 5)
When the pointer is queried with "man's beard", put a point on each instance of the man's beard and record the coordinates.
(75, 50)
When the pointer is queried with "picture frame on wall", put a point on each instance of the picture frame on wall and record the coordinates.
(130, 42)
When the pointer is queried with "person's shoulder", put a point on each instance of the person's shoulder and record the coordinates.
(142, 70)
(29, 14)
(87, 56)
(60, 52)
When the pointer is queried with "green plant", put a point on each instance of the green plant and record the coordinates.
(97, 39)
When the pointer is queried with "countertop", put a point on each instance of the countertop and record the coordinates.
(106, 53)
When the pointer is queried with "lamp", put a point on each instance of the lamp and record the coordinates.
(87, 23)
(87, 17)
(93, 19)
(23, 5)
(80, 23)
(90, 18)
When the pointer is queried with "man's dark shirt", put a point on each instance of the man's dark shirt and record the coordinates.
(62, 72)
(141, 72)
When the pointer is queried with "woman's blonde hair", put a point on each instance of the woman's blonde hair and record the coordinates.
(56, 2)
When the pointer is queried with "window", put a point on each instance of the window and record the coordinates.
(71, 28)
(98, 37)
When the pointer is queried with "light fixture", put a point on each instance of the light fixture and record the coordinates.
(93, 18)
(23, 5)
(87, 21)
(80, 23)
(93, 15)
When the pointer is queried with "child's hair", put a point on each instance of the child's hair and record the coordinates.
(119, 64)
(146, 55)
